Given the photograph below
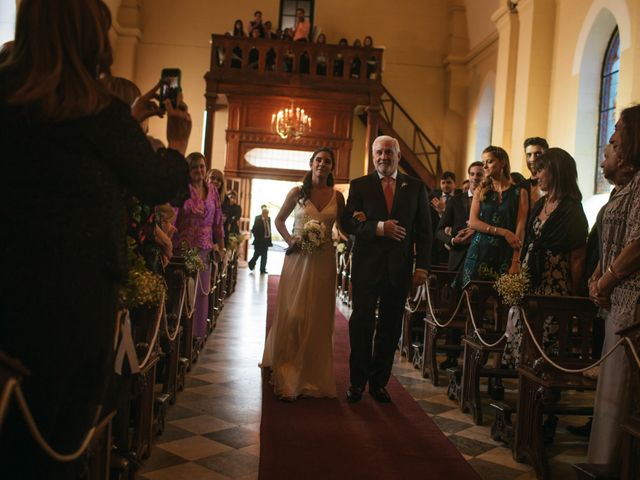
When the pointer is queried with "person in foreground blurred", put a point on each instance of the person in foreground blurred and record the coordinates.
(70, 150)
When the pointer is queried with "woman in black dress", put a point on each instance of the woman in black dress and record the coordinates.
(65, 226)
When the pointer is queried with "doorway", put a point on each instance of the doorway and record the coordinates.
(271, 193)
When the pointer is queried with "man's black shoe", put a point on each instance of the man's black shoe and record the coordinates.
(264, 272)
(354, 394)
(380, 395)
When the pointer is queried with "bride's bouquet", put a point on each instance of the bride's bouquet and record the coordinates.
(313, 234)
(311, 237)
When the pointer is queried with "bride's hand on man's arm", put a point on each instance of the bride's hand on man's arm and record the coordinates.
(359, 216)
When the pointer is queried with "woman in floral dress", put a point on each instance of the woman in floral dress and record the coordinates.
(555, 243)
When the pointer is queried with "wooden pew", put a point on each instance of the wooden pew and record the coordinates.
(490, 316)
(187, 352)
(170, 337)
(232, 271)
(629, 466)
(141, 419)
(444, 302)
(540, 384)
(412, 327)
(344, 277)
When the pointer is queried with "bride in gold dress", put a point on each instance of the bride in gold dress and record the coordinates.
(299, 346)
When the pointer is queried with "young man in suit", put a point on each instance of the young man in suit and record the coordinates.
(533, 148)
(388, 213)
(453, 231)
(261, 239)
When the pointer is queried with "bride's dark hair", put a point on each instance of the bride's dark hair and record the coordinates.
(305, 190)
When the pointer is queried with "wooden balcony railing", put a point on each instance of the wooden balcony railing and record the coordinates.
(239, 57)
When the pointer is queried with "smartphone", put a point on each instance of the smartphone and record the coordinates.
(170, 85)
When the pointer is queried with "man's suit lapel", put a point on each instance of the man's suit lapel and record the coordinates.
(398, 195)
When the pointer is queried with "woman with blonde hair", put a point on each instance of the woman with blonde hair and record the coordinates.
(67, 222)
(199, 226)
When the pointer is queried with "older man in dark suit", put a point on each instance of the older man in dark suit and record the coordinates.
(388, 213)
(261, 239)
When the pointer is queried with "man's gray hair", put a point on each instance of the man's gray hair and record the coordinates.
(387, 138)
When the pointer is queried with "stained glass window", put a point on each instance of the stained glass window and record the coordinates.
(607, 111)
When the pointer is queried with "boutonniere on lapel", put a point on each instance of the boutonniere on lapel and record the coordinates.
(403, 184)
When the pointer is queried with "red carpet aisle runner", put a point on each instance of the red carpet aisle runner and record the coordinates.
(331, 439)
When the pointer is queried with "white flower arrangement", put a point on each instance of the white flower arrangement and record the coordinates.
(313, 235)
(341, 247)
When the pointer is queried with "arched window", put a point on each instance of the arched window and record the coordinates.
(608, 94)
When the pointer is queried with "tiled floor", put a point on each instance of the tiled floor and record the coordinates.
(213, 430)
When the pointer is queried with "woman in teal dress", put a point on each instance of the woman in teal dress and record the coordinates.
(498, 215)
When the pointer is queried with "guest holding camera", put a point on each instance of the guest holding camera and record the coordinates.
(67, 223)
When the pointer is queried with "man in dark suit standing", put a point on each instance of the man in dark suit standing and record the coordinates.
(261, 240)
(388, 213)
(454, 233)
(453, 230)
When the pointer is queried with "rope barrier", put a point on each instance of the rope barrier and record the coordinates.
(193, 303)
(12, 386)
(5, 397)
(205, 292)
(155, 334)
(433, 315)
(578, 370)
(418, 299)
(172, 336)
(475, 327)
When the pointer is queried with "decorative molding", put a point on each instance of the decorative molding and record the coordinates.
(126, 31)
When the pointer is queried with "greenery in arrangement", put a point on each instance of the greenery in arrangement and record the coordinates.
(143, 287)
(235, 240)
(512, 287)
(192, 261)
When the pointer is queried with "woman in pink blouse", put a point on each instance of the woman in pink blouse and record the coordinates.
(199, 225)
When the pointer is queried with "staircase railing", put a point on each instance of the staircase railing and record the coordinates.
(401, 122)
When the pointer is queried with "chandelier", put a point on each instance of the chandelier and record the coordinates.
(291, 122)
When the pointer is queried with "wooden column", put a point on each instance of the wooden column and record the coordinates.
(208, 127)
(373, 115)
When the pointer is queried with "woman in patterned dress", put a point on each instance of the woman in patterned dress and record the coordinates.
(556, 237)
(615, 287)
